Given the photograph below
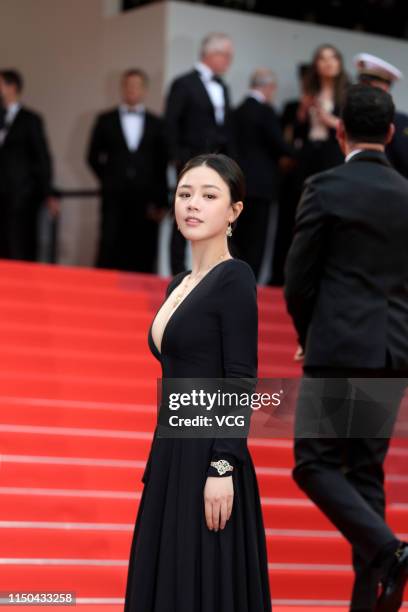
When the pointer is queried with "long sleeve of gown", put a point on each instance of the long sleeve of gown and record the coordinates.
(238, 314)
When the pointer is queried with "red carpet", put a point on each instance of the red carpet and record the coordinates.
(77, 410)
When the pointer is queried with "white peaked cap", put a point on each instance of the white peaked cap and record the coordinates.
(371, 65)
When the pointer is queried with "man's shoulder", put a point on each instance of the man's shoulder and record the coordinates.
(153, 118)
(253, 107)
(245, 105)
(29, 114)
(107, 115)
(350, 175)
(185, 79)
(326, 176)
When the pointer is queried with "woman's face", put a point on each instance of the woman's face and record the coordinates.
(203, 204)
(328, 64)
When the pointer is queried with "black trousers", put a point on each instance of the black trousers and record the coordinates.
(343, 473)
(127, 239)
(289, 196)
(249, 236)
(19, 226)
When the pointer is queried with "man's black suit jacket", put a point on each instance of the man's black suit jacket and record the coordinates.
(191, 127)
(25, 162)
(259, 143)
(118, 168)
(397, 150)
(347, 268)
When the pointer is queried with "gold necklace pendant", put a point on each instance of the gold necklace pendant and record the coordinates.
(180, 296)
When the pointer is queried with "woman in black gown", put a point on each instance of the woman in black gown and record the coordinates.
(199, 540)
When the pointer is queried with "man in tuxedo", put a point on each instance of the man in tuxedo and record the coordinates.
(128, 156)
(259, 146)
(197, 117)
(347, 292)
(25, 171)
(373, 70)
(291, 179)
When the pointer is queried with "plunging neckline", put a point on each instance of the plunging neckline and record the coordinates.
(159, 353)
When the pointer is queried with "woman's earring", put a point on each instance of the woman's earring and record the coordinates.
(229, 230)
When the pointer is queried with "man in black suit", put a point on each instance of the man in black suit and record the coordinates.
(128, 155)
(291, 180)
(259, 146)
(25, 171)
(347, 292)
(197, 117)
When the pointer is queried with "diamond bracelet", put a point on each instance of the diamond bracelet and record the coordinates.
(222, 466)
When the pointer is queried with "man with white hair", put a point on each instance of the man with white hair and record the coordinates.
(197, 116)
(259, 145)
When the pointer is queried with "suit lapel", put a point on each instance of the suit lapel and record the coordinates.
(118, 127)
(13, 125)
(204, 92)
(146, 125)
(226, 99)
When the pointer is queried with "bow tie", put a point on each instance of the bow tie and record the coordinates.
(217, 79)
(133, 111)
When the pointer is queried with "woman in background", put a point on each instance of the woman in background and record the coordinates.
(319, 110)
(317, 117)
(309, 125)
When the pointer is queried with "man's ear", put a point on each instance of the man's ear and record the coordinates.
(390, 134)
(341, 136)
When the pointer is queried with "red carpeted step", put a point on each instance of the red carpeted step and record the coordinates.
(82, 473)
(124, 446)
(63, 413)
(34, 384)
(71, 338)
(122, 478)
(278, 453)
(109, 580)
(46, 506)
(79, 363)
(311, 582)
(75, 316)
(113, 542)
(295, 514)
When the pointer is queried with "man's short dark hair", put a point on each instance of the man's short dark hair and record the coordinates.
(136, 72)
(13, 77)
(367, 113)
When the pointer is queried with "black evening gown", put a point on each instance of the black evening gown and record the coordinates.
(176, 563)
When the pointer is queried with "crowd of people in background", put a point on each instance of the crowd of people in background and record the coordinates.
(133, 152)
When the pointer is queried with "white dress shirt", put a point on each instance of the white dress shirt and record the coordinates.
(215, 91)
(352, 154)
(132, 124)
(9, 117)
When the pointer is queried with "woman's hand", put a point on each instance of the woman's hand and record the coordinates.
(53, 206)
(218, 500)
(328, 119)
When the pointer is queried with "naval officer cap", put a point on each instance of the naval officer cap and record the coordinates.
(372, 67)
